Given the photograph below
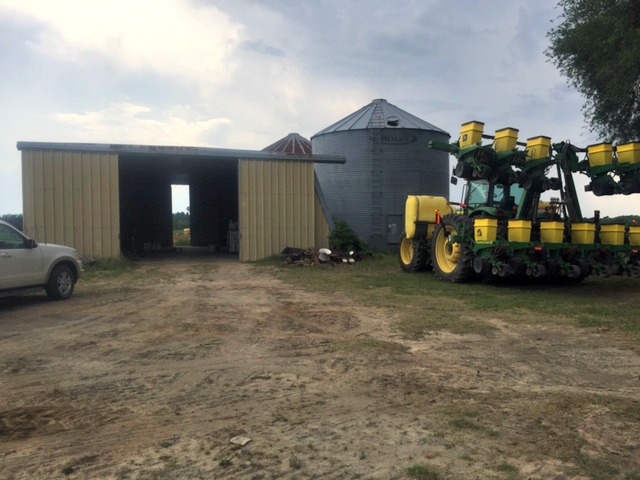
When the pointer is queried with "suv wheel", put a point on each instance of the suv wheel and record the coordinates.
(61, 283)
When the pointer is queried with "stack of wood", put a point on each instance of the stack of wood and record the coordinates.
(310, 257)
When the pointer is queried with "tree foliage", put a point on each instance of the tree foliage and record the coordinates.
(596, 45)
(181, 220)
(343, 238)
(14, 219)
(623, 219)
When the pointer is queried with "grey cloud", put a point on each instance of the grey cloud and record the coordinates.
(528, 43)
(261, 47)
(444, 61)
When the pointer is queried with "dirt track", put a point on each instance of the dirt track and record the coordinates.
(150, 374)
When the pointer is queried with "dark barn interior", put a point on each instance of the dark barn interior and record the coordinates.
(145, 200)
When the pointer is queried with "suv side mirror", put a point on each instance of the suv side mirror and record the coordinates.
(31, 243)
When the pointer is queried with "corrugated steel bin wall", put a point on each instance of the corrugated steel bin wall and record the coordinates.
(383, 167)
(276, 207)
(347, 188)
(71, 198)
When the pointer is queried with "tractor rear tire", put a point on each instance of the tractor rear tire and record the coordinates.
(452, 262)
(414, 255)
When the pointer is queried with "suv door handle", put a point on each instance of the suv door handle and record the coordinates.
(5, 255)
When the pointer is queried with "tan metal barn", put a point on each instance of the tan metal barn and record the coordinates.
(108, 200)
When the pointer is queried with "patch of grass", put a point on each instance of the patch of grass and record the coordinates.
(295, 463)
(105, 268)
(124, 473)
(272, 261)
(554, 419)
(68, 470)
(372, 346)
(224, 462)
(465, 423)
(181, 241)
(553, 423)
(467, 417)
(595, 468)
(171, 469)
(625, 409)
(422, 472)
(509, 469)
(422, 303)
(203, 268)
(421, 323)
(168, 443)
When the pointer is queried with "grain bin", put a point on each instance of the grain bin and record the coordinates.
(387, 159)
(292, 144)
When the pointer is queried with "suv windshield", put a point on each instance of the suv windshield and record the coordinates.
(10, 239)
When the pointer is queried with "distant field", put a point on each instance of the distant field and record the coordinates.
(180, 239)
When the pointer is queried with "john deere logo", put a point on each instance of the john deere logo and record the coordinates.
(398, 138)
(479, 233)
(465, 137)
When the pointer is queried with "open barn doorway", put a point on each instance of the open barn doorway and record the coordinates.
(181, 217)
(214, 207)
(153, 188)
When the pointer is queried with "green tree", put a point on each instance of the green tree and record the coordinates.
(624, 219)
(596, 45)
(14, 219)
(181, 220)
(345, 239)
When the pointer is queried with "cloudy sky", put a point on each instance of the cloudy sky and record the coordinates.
(244, 73)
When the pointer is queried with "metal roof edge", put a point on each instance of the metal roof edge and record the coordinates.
(434, 130)
(176, 150)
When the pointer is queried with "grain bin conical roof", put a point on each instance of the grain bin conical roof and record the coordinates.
(380, 114)
(292, 144)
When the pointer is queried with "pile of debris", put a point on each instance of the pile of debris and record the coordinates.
(310, 257)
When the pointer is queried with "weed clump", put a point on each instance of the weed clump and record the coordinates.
(423, 473)
(343, 238)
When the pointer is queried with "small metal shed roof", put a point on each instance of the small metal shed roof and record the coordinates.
(292, 144)
(173, 151)
(380, 114)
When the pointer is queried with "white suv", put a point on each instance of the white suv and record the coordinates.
(28, 266)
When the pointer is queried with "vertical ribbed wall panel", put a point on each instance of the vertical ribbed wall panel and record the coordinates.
(276, 207)
(347, 188)
(71, 198)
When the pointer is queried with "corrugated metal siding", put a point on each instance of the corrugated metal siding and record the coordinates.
(382, 169)
(322, 229)
(347, 188)
(71, 198)
(276, 207)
